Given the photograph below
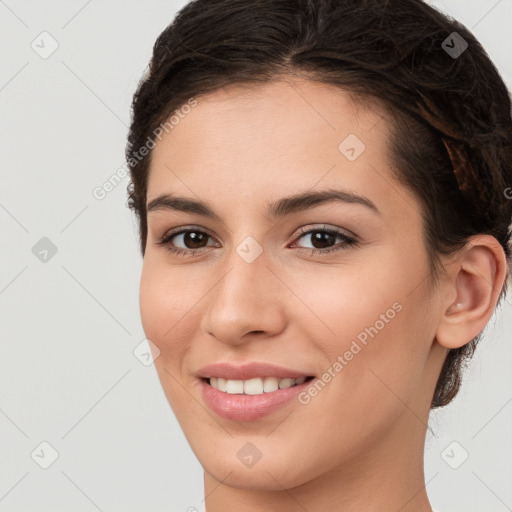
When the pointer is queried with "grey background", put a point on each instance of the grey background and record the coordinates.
(69, 325)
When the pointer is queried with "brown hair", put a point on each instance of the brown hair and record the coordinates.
(450, 114)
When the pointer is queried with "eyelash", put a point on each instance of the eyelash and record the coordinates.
(348, 241)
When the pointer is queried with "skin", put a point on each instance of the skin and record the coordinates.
(358, 444)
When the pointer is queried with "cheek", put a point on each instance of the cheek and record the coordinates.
(373, 325)
(166, 303)
(154, 299)
(349, 303)
(167, 315)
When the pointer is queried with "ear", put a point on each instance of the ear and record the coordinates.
(473, 282)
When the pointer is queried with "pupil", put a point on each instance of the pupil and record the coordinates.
(322, 237)
(192, 238)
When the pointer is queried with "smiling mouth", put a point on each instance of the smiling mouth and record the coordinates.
(255, 386)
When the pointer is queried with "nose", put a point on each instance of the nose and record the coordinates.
(246, 303)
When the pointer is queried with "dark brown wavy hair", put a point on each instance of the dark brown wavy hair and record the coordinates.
(450, 116)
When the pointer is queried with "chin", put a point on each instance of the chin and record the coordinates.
(270, 473)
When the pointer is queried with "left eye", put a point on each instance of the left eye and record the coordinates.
(323, 236)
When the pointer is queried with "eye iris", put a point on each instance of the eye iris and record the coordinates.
(322, 237)
(193, 237)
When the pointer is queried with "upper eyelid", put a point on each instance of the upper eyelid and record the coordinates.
(326, 227)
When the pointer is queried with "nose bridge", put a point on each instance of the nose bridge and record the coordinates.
(245, 298)
(246, 275)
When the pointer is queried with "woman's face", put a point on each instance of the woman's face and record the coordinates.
(360, 319)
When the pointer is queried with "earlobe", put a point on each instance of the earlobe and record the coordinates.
(476, 278)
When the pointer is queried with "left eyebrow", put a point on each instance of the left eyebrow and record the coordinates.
(306, 200)
(284, 206)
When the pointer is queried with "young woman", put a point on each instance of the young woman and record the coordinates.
(321, 187)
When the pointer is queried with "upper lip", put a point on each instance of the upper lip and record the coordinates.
(248, 371)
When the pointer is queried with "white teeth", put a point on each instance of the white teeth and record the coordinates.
(286, 383)
(234, 387)
(254, 386)
(221, 384)
(270, 384)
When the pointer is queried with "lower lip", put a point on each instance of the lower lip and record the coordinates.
(248, 407)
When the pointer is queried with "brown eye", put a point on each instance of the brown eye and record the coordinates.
(323, 240)
(185, 241)
(192, 239)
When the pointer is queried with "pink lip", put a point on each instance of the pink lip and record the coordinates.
(248, 371)
(239, 407)
(248, 407)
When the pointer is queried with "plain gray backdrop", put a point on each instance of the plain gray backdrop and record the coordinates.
(84, 423)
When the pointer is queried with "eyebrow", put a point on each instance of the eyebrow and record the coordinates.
(284, 206)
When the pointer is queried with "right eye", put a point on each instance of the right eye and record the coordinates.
(188, 237)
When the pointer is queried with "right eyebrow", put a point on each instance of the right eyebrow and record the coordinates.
(181, 204)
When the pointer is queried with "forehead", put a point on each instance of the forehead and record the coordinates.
(299, 105)
(269, 139)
